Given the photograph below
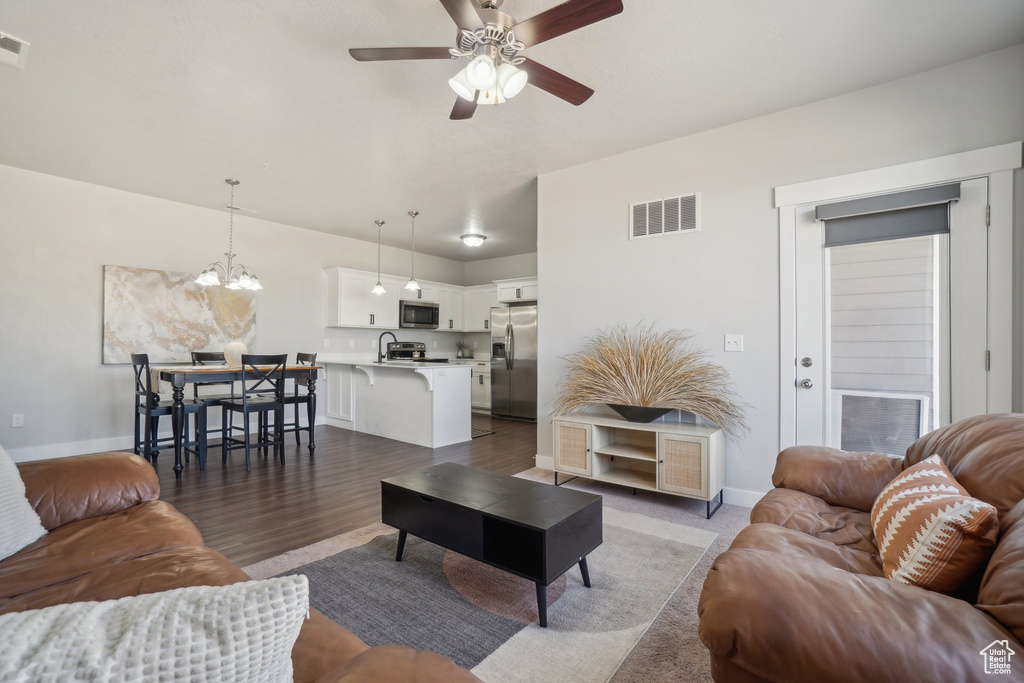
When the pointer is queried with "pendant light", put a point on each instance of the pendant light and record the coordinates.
(378, 288)
(235, 277)
(412, 285)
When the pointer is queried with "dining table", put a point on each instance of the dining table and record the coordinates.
(180, 376)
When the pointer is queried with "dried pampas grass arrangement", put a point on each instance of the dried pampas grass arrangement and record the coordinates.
(642, 367)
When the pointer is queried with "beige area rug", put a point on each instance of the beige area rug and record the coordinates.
(638, 622)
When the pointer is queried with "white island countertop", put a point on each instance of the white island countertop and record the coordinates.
(427, 404)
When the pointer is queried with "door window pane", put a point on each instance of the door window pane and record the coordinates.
(888, 342)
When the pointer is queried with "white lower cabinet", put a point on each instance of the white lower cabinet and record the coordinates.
(481, 395)
(679, 459)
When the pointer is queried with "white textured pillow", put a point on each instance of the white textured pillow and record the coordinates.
(241, 632)
(19, 523)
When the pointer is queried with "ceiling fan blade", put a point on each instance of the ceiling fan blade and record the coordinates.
(377, 54)
(464, 13)
(563, 19)
(464, 109)
(555, 83)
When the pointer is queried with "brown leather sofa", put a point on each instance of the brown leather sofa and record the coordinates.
(109, 537)
(800, 595)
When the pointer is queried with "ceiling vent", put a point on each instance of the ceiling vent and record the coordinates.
(672, 216)
(13, 51)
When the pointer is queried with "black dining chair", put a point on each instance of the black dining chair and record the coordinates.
(262, 394)
(297, 399)
(149, 410)
(211, 400)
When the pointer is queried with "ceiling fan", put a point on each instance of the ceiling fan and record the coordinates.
(492, 40)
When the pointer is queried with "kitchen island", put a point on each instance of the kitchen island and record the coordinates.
(427, 404)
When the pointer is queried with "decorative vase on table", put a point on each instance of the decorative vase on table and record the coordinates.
(233, 353)
(639, 413)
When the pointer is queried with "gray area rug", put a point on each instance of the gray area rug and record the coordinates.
(624, 629)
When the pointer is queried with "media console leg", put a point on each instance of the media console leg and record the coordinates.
(542, 604)
(401, 545)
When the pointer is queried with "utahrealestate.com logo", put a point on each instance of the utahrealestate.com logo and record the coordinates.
(997, 658)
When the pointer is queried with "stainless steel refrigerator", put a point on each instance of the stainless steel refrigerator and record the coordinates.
(514, 361)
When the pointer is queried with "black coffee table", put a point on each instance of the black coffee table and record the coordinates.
(532, 530)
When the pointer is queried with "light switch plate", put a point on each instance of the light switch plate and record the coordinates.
(734, 342)
(18, 420)
(351, 343)
(327, 343)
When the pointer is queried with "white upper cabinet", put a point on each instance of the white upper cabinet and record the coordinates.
(450, 302)
(351, 303)
(511, 291)
(478, 304)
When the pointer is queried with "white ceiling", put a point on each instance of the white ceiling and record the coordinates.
(169, 98)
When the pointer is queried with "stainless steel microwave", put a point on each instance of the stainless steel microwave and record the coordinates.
(422, 315)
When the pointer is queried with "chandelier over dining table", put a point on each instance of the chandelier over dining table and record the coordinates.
(234, 276)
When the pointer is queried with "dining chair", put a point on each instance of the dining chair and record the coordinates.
(262, 394)
(211, 400)
(149, 410)
(297, 399)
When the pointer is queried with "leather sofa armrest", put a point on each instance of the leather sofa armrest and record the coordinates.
(386, 663)
(802, 620)
(851, 480)
(65, 490)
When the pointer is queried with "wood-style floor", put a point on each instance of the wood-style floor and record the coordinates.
(273, 509)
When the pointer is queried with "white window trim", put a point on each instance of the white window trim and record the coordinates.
(997, 163)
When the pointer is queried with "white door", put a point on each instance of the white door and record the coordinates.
(889, 327)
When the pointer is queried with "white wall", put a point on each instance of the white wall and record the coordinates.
(725, 279)
(504, 268)
(55, 237)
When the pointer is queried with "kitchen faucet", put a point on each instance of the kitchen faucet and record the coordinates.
(381, 354)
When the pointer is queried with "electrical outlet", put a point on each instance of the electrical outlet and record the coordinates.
(435, 345)
(734, 342)
(476, 345)
(351, 343)
(327, 343)
(18, 420)
(373, 344)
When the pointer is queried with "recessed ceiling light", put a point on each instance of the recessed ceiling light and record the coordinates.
(472, 240)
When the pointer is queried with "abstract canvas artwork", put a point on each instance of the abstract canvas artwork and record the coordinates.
(168, 316)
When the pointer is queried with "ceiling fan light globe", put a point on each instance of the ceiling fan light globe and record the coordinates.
(511, 80)
(460, 84)
(481, 73)
(472, 240)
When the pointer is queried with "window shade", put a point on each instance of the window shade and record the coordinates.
(888, 217)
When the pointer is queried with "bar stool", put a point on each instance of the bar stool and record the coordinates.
(296, 399)
(262, 395)
(148, 412)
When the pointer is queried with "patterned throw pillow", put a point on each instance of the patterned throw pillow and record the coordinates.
(240, 633)
(19, 523)
(930, 532)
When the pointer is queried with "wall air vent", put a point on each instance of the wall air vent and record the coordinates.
(659, 217)
(13, 51)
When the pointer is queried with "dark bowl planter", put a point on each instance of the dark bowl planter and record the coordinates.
(639, 413)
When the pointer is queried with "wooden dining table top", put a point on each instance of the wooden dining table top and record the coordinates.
(217, 369)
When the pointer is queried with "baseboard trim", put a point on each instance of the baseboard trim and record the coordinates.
(64, 450)
(742, 497)
(545, 462)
